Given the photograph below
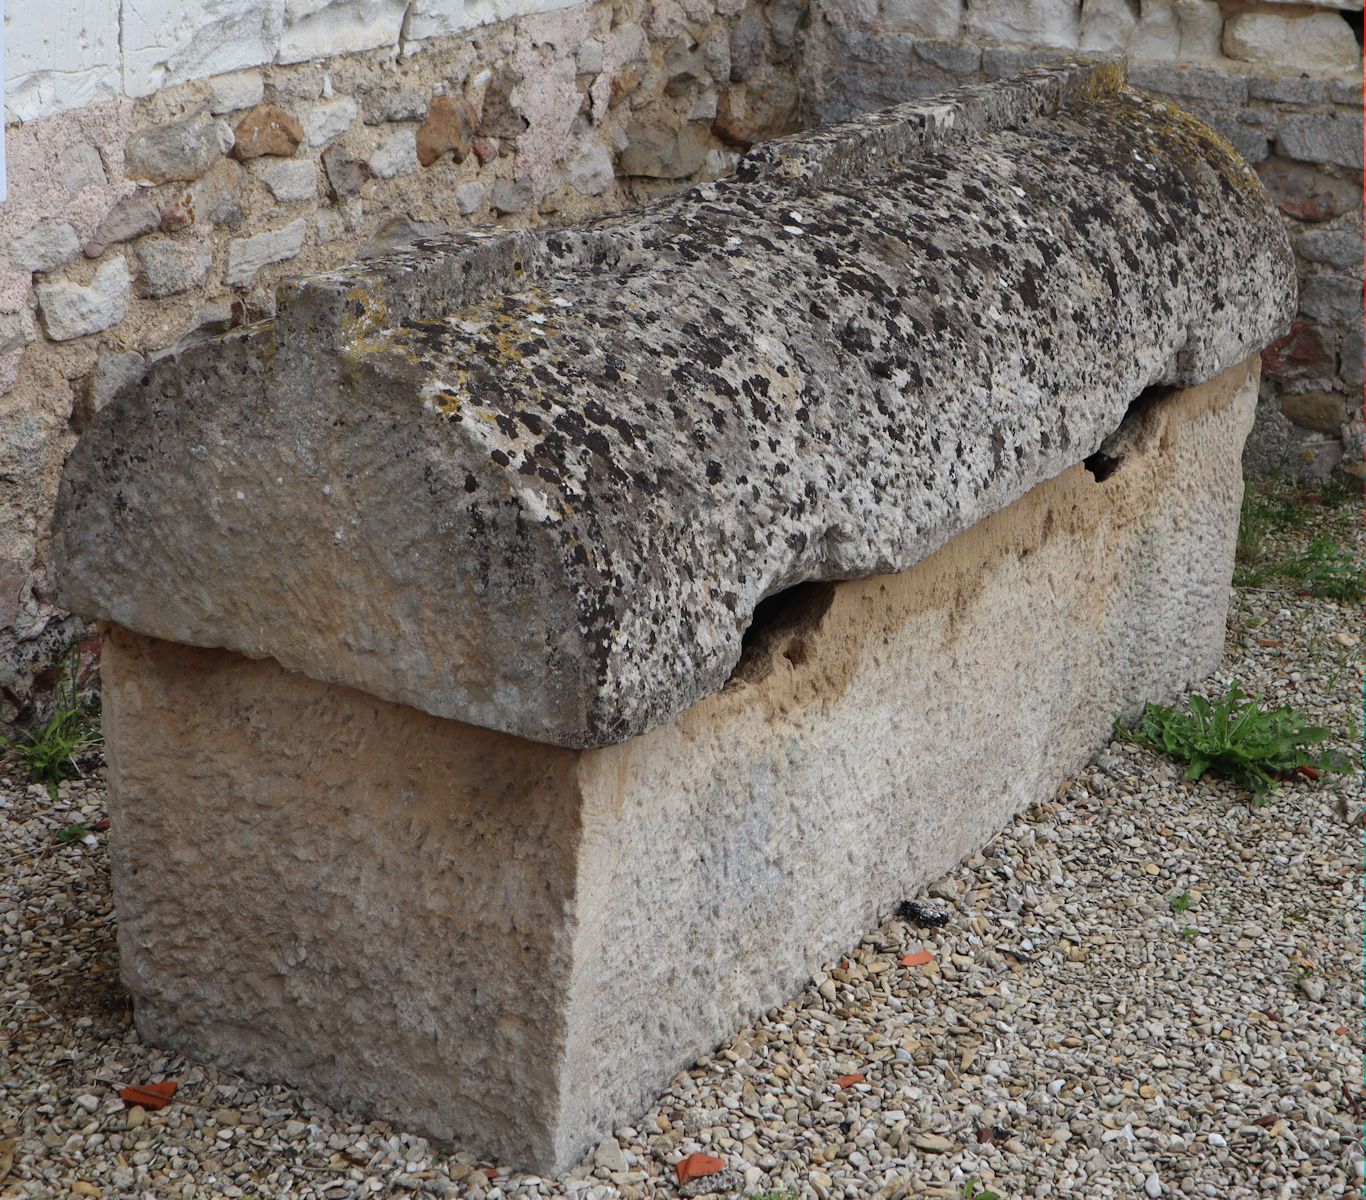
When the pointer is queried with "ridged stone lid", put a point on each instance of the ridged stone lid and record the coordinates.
(539, 480)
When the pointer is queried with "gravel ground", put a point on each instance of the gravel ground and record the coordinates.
(1073, 1037)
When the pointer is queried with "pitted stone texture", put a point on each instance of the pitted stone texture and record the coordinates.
(540, 481)
(516, 946)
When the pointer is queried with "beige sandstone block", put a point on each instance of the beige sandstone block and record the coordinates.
(1315, 42)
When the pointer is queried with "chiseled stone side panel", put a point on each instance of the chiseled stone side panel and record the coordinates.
(514, 946)
(317, 886)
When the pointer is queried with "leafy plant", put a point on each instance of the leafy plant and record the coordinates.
(1182, 903)
(1235, 736)
(974, 1190)
(1189, 934)
(72, 833)
(49, 753)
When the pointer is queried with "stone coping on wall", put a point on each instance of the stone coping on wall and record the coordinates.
(540, 481)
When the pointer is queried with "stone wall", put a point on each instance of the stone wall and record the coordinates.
(133, 224)
(1281, 82)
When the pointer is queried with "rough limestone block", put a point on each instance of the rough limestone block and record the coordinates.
(924, 18)
(1053, 23)
(71, 309)
(513, 945)
(625, 437)
(1316, 42)
(246, 256)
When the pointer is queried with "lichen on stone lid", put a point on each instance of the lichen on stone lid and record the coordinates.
(540, 480)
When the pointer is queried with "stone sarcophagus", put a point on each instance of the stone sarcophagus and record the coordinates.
(529, 655)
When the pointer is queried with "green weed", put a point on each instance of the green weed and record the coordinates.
(1326, 568)
(973, 1190)
(1236, 737)
(49, 753)
(1182, 903)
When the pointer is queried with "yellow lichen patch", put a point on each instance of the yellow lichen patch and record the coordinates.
(496, 326)
(363, 313)
(1184, 135)
(1105, 79)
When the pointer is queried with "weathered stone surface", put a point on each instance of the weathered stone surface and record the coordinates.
(748, 46)
(1325, 412)
(267, 130)
(235, 91)
(469, 198)
(1053, 23)
(395, 155)
(81, 168)
(1337, 248)
(274, 914)
(658, 149)
(1301, 352)
(113, 369)
(950, 56)
(1314, 42)
(131, 217)
(501, 117)
(1333, 137)
(177, 150)
(541, 481)
(923, 18)
(1332, 298)
(1305, 193)
(292, 180)
(448, 125)
(169, 266)
(17, 330)
(768, 109)
(589, 170)
(72, 309)
(1193, 82)
(510, 196)
(345, 175)
(328, 120)
(1201, 23)
(401, 232)
(246, 256)
(46, 246)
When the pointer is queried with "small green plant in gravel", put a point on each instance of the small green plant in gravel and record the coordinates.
(1326, 568)
(1261, 513)
(48, 753)
(1182, 903)
(784, 1194)
(1236, 737)
(72, 833)
(1189, 934)
(973, 1190)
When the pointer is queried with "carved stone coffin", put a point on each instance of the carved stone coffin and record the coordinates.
(530, 654)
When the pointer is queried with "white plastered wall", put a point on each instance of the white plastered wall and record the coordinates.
(64, 54)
